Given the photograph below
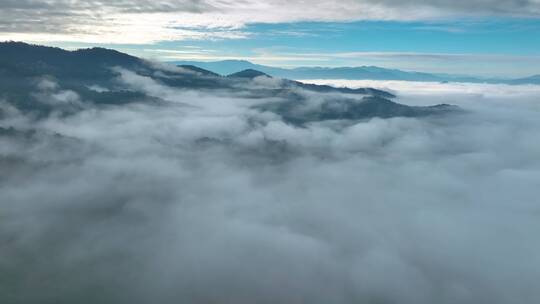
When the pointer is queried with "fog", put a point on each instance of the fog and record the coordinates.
(200, 198)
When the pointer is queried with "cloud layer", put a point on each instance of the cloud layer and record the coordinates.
(201, 199)
(143, 21)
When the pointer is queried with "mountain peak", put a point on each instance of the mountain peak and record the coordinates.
(199, 70)
(249, 73)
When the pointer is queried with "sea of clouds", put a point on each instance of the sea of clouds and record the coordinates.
(203, 199)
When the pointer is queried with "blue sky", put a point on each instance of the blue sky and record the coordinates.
(483, 38)
(497, 47)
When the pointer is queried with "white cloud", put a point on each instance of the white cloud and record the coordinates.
(50, 93)
(203, 199)
(144, 21)
(463, 94)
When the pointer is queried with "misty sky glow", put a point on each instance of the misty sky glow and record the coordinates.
(487, 38)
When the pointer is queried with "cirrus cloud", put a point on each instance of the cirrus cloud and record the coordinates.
(143, 21)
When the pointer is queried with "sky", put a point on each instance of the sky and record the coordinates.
(483, 38)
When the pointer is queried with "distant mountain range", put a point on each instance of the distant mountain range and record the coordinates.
(26, 71)
(227, 67)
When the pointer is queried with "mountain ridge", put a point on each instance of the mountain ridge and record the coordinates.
(43, 80)
(227, 67)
